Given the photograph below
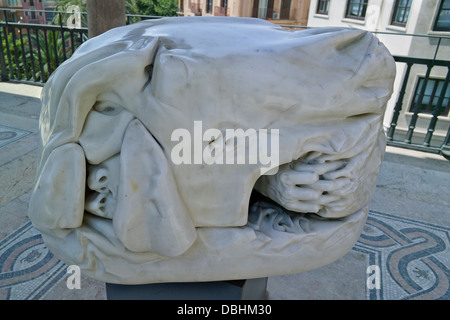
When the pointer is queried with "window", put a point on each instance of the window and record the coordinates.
(31, 2)
(285, 11)
(431, 96)
(221, 10)
(322, 6)
(209, 6)
(13, 3)
(262, 9)
(443, 17)
(356, 9)
(11, 17)
(401, 12)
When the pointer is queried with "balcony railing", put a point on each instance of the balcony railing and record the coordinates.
(31, 52)
(437, 108)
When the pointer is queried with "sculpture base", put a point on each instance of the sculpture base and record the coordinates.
(251, 289)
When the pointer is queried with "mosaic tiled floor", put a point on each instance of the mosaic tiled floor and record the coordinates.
(27, 269)
(9, 135)
(412, 256)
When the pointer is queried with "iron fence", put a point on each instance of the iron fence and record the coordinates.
(31, 52)
(436, 102)
(441, 102)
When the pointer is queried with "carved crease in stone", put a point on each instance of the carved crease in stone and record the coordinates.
(109, 198)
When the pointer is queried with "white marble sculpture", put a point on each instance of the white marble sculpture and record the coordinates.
(110, 197)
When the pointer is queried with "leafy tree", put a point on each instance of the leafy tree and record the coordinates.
(166, 8)
(23, 59)
(162, 8)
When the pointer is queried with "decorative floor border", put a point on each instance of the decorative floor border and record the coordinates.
(413, 258)
(28, 270)
(9, 135)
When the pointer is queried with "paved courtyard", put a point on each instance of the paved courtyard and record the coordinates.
(406, 237)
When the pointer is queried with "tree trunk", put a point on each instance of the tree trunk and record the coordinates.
(104, 15)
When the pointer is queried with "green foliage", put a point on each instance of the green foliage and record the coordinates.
(164, 8)
(35, 61)
(17, 61)
(51, 52)
(67, 6)
(34, 57)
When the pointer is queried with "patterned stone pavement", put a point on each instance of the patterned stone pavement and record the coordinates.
(413, 257)
(9, 135)
(28, 269)
(405, 244)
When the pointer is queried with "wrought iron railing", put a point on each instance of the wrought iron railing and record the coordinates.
(406, 135)
(437, 108)
(31, 52)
